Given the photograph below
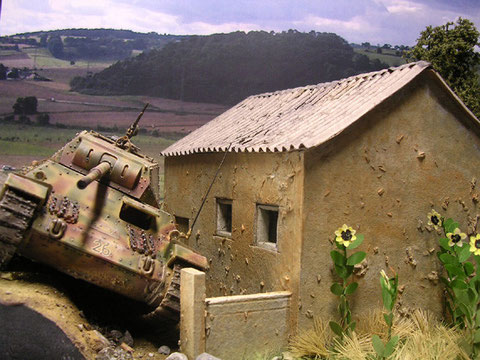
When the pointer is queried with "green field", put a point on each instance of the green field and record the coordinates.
(388, 56)
(42, 142)
(45, 60)
(33, 140)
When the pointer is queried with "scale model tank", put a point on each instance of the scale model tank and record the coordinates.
(91, 211)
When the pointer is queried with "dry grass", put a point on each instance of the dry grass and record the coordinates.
(421, 337)
(313, 343)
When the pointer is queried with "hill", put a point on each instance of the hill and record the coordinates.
(226, 68)
(89, 44)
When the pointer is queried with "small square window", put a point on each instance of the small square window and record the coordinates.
(182, 224)
(267, 226)
(224, 217)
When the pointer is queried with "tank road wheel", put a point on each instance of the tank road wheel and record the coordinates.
(16, 215)
(170, 293)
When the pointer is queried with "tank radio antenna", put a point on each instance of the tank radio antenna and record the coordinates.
(208, 191)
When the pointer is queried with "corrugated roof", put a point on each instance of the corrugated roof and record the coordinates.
(297, 118)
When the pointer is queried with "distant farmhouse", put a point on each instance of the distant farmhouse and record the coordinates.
(375, 151)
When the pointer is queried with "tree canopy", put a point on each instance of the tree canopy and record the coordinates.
(26, 105)
(226, 68)
(450, 48)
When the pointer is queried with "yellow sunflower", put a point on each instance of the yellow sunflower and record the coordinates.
(434, 219)
(475, 244)
(345, 235)
(456, 237)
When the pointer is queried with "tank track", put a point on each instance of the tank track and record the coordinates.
(171, 301)
(170, 304)
(16, 215)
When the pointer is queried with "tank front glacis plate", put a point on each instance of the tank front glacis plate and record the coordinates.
(97, 234)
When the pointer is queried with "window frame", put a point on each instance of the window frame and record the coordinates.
(221, 223)
(262, 228)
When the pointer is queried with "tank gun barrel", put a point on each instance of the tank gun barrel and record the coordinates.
(95, 173)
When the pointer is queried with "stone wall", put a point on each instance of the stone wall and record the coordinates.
(231, 327)
(382, 176)
(238, 264)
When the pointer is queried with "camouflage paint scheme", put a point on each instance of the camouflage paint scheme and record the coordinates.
(110, 233)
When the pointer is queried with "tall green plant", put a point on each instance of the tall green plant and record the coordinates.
(345, 238)
(462, 281)
(389, 297)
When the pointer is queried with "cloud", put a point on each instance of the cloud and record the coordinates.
(376, 21)
(404, 7)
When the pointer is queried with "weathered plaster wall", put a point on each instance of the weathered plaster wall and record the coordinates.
(237, 266)
(374, 177)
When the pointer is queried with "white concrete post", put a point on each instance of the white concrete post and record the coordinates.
(192, 312)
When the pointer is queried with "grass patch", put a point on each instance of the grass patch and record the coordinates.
(43, 142)
(44, 59)
(8, 52)
(391, 60)
(16, 148)
(421, 337)
(54, 137)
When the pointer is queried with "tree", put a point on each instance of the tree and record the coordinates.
(43, 40)
(3, 72)
(26, 105)
(14, 74)
(55, 46)
(450, 48)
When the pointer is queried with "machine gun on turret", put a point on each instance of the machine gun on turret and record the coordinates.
(124, 142)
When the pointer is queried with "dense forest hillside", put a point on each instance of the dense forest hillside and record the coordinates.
(225, 68)
(92, 44)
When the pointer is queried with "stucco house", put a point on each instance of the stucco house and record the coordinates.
(375, 151)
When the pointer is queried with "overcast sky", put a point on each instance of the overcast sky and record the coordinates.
(376, 21)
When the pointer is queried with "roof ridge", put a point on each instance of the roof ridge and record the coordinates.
(420, 63)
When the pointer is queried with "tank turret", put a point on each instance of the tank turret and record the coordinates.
(92, 211)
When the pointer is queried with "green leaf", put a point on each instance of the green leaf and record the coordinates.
(477, 259)
(341, 271)
(339, 246)
(444, 244)
(356, 258)
(477, 319)
(358, 241)
(348, 271)
(472, 295)
(466, 311)
(449, 225)
(352, 326)
(351, 288)
(469, 268)
(337, 258)
(445, 281)
(454, 270)
(447, 258)
(337, 329)
(387, 299)
(390, 346)
(476, 337)
(337, 289)
(460, 295)
(459, 284)
(378, 345)
(388, 318)
(463, 253)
